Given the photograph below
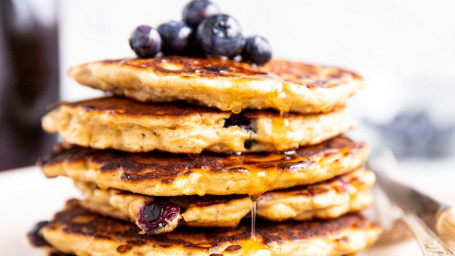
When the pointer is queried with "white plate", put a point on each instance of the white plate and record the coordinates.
(27, 197)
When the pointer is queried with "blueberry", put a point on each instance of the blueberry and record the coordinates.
(412, 127)
(156, 215)
(220, 35)
(153, 212)
(248, 144)
(177, 37)
(145, 41)
(257, 50)
(196, 11)
(241, 121)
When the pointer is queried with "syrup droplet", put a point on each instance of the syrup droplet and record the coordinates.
(236, 108)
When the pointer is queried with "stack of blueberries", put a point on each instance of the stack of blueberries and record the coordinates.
(204, 31)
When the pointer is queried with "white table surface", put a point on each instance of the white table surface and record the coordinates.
(26, 197)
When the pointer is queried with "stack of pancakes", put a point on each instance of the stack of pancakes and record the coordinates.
(190, 151)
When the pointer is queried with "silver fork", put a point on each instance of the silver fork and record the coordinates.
(384, 163)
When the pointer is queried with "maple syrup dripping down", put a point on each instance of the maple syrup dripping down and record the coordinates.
(255, 246)
(254, 204)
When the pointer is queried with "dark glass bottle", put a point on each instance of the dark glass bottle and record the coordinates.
(28, 82)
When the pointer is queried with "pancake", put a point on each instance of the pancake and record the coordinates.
(78, 231)
(49, 251)
(227, 85)
(165, 174)
(127, 125)
(328, 199)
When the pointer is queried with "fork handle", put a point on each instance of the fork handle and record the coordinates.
(430, 244)
(445, 226)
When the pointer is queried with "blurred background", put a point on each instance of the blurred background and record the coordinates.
(405, 49)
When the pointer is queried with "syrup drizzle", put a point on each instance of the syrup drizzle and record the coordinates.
(254, 204)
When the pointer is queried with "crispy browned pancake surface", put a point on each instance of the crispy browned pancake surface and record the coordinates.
(225, 84)
(71, 229)
(290, 71)
(164, 174)
(124, 107)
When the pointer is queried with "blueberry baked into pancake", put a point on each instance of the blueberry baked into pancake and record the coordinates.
(208, 146)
